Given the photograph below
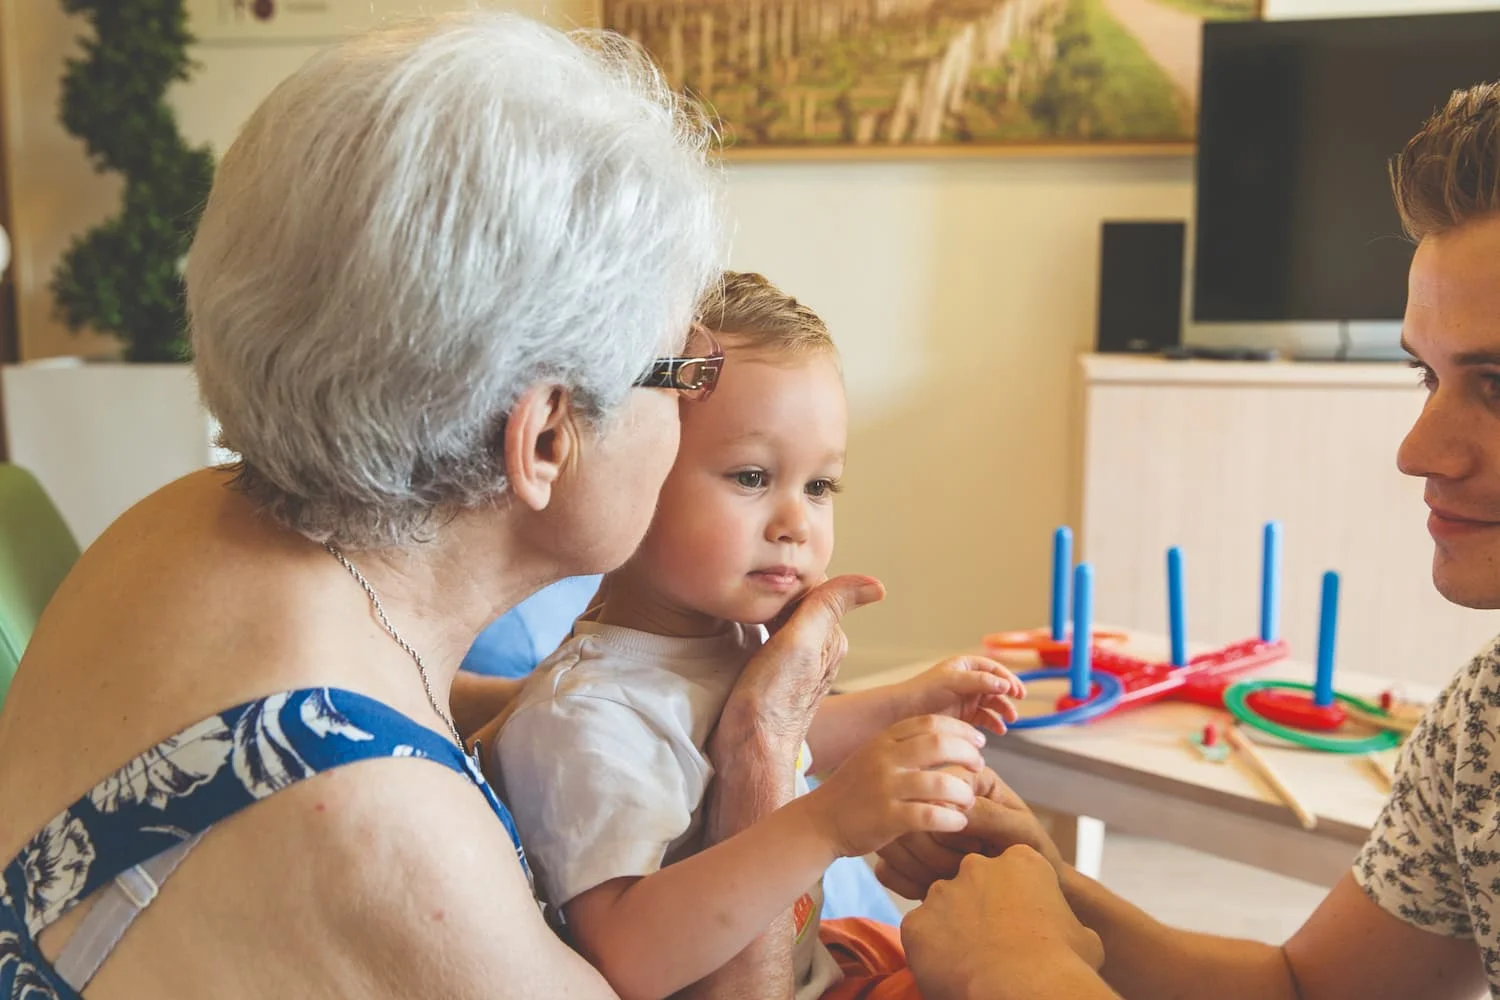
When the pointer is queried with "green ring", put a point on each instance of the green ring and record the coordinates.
(1237, 700)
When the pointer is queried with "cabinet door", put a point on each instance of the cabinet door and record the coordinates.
(1204, 466)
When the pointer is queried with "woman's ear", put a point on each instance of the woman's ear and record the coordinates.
(541, 441)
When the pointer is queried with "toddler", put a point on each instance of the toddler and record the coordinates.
(603, 760)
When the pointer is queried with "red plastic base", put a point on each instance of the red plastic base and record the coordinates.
(1202, 680)
(1040, 640)
(1296, 709)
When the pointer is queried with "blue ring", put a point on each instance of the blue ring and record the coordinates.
(1110, 693)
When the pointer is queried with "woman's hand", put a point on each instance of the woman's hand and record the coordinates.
(997, 820)
(976, 689)
(1002, 928)
(779, 689)
(754, 753)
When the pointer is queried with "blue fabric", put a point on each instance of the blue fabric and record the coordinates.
(850, 889)
(516, 642)
(183, 786)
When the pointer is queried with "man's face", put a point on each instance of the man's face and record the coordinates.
(1452, 328)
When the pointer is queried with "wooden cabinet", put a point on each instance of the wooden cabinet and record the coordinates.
(1200, 454)
(102, 436)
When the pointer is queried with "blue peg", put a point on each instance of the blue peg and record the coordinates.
(1062, 565)
(1081, 653)
(1176, 615)
(1328, 625)
(1270, 583)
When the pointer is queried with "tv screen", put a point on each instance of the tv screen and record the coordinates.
(1297, 123)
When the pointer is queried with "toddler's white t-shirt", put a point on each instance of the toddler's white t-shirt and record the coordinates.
(603, 764)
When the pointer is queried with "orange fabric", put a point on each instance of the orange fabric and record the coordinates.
(872, 958)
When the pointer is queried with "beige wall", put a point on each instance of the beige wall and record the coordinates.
(960, 290)
(54, 192)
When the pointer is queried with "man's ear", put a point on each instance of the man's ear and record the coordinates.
(541, 441)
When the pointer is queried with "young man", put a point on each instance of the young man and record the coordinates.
(1419, 914)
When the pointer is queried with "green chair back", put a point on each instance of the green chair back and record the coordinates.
(36, 552)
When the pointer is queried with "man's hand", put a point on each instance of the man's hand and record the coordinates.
(998, 820)
(1001, 918)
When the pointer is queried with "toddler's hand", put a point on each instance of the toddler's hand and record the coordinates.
(895, 785)
(972, 688)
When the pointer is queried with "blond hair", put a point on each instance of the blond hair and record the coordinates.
(1449, 173)
(757, 316)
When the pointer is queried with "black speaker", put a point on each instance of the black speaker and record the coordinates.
(1140, 287)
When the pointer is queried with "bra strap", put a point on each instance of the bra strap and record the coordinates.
(118, 904)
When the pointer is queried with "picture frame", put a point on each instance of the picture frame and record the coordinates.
(238, 23)
(921, 79)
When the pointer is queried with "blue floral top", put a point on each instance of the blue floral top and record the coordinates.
(181, 787)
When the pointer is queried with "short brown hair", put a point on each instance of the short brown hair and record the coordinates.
(1449, 173)
(757, 315)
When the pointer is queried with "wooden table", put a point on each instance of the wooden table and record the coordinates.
(1135, 771)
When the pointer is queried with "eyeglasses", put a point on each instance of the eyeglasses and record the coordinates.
(693, 374)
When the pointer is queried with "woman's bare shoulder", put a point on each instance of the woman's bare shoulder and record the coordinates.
(383, 879)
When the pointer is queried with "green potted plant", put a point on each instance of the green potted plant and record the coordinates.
(124, 275)
(100, 436)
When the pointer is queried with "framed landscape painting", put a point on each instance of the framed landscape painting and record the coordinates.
(846, 76)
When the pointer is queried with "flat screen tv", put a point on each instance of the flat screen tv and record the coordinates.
(1297, 123)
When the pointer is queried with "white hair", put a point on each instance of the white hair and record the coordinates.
(417, 225)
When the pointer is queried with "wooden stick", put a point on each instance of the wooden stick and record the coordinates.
(1382, 768)
(1398, 724)
(1263, 767)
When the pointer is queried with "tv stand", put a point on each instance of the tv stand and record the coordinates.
(1196, 352)
(1201, 454)
(1377, 358)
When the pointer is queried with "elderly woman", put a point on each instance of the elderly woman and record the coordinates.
(436, 298)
